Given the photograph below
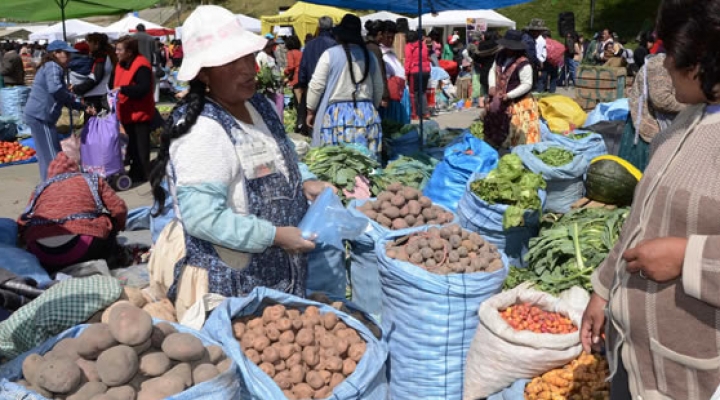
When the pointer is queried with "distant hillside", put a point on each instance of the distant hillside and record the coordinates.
(626, 17)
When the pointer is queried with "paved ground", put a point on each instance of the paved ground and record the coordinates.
(17, 182)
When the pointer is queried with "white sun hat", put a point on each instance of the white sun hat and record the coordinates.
(214, 36)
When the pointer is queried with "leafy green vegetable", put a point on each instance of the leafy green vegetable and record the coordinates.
(289, 119)
(339, 165)
(478, 129)
(555, 156)
(409, 171)
(441, 138)
(566, 253)
(578, 136)
(267, 81)
(513, 185)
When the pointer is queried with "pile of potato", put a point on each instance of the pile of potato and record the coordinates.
(127, 358)
(338, 305)
(306, 353)
(403, 207)
(446, 250)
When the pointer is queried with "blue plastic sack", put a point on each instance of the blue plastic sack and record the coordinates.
(8, 232)
(12, 101)
(448, 181)
(429, 321)
(326, 271)
(23, 264)
(516, 391)
(617, 110)
(405, 145)
(224, 386)
(590, 146)
(487, 219)
(328, 222)
(367, 382)
(565, 184)
(364, 275)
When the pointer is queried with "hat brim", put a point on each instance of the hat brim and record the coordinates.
(536, 28)
(511, 44)
(234, 48)
(346, 35)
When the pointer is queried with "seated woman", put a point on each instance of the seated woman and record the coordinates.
(71, 218)
(512, 118)
(237, 187)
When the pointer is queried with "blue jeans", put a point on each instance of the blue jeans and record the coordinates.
(549, 72)
(47, 143)
(568, 72)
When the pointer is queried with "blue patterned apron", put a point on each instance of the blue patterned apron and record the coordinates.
(92, 181)
(273, 198)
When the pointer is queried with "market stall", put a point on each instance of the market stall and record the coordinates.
(129, 24)
(72, 28)
(458, 19)
(303, 17)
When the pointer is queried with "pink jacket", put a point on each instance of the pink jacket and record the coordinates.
(412, 56)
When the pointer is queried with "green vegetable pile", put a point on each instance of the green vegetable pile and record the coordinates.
(513, 185)
(339, 165)
(578, 136)
(566, 254)
(555, 156)
(441, 138)
(413, 172)
(289, 119)
(267, 81)
(478, 130)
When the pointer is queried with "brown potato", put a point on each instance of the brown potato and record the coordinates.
(314, 379)
(323, 393)
(261, 343)
(89, 369)
(166, 328)
(246, 342)
(224, 365)
(41, 391)
(283, 324)
(253, 355)
(280, 365)
(311, 356)
(336, 379)
(154, 364)
(287, 337)
(357, 351)
(399, 223)
(270, 355)
(310, 321)
(303, 391)
(117, 365)
(31, 367)
(60, 375)
(184, 372)
(328, 342)
(106, 314)
(255, 323)
(183, 347)
(284, 350)
(130, 325)
(384, 221)
(294, 359)
(297, 374)
(89, 391)
(333, 364)
(273, 313)
(348, 367)
(329, 320)
(238, 329)
(160, 388)
(268, 369)
(283, 380)
(121, 393)
(95, 339)
(66, 348)
(203, 373)
(289, 395)
(305, 337)
(142, 348)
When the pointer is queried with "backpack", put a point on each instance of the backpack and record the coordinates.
(555, 52)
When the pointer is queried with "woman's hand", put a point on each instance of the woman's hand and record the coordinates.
(289, 238)
(312, 189)
(593, 324)
(660, 260)
(90, 110)
(310, 120)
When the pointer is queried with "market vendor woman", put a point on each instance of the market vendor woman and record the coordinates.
(238, 190)
(656, 296)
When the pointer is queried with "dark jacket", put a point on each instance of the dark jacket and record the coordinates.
(11, 69)
(531, 48)
(313, 50)
(81, 64)
(147, 47)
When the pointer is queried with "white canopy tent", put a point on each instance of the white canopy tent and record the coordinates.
(383, 16)
(129, 24)
(450, 19)
(251, 24)
(75, 29)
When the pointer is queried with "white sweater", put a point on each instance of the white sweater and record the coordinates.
(370, 89)
(526, 81)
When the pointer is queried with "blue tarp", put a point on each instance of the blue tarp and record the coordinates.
(411, 6)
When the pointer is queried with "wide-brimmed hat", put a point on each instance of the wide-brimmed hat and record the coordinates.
(487, 48)
(59, 45)
(512, 40)
(536, 24)
(214, 36)
(349, 30)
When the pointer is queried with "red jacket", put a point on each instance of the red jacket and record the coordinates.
(412, 57)
(129, 110)
(293, 66)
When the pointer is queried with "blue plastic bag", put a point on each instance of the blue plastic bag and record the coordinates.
(326, 271)
(23, 264)
(224, 386)
(364, 275)
(590, 146)
(328, 222)
(617, 110)
(405, 145)
(448, 181)
(367, 382)
(516, 391)
(429, 321)
(487, 219)
(8, 231)
(565, 184)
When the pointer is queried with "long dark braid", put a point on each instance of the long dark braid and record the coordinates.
(195, 100)
(366, 53)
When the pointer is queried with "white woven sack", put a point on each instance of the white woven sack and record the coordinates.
(499, 355)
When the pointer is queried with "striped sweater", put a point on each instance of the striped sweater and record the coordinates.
(669, 333)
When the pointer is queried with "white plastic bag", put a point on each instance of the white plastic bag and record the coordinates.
(499, 355)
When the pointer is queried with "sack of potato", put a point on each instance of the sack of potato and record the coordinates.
(429, 315)
(130, 357)
(522, 333)
(397, 208)
(293, 348)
